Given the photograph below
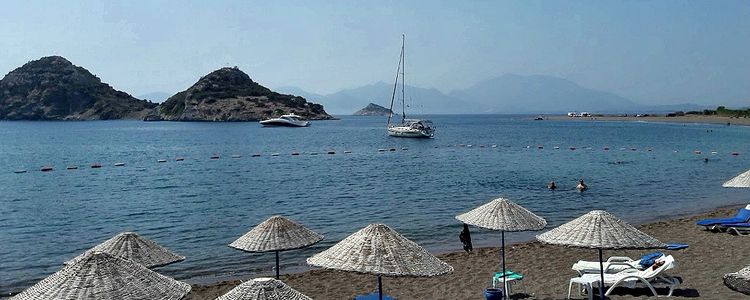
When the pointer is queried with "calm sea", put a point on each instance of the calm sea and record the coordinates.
(198, 206)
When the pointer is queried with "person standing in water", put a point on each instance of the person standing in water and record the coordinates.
(581, 186)
(465, 238)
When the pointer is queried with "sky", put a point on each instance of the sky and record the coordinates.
(654, 52)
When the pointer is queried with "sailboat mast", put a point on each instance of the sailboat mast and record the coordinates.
(395, 86)
(403, 79)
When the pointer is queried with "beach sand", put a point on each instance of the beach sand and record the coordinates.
(546, 269)
(681, 119)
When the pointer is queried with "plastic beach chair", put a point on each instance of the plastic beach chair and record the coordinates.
(742, 216)
(737, 228)
(616, 264)
(510, 278)
(650, 278)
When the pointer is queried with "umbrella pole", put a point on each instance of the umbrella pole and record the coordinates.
(505, 282)
(277, 264)
(380, 288)
(601, 272)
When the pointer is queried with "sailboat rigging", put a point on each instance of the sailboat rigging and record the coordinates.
(412, 128)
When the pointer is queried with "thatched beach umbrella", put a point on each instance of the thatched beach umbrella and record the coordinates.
(741, 181)
(377, 249)
(600, 230)
(504, 215)
(132, 246)
(99, 275)
(274, 235)
(263, 289)
(739, 281)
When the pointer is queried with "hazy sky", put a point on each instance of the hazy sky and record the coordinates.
(650, 51)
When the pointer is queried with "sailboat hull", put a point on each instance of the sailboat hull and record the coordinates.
(407, 132)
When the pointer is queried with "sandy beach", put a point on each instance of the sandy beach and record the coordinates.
(680, 119)
(546, 269)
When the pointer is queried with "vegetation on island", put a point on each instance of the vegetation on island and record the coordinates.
(228, 94)
(52, 88)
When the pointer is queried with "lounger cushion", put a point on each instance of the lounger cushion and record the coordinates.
(743, 215)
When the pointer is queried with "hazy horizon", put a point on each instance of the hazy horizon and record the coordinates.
(665, 52)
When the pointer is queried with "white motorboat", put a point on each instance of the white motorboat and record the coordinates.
(290, 120)
(408, 128)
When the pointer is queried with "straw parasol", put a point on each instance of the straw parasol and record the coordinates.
(504, 215)
(741, 181)
(99, 275)
(599, 229)
(739, 281)
(377, 249)
(276, 234)
(263, 289)
(132, 246)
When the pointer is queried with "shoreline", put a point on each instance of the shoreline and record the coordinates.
(700, 266)
(688, 119)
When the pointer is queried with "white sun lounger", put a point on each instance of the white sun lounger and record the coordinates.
(630, 278)
(614, 264)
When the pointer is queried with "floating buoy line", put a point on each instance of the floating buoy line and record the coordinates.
(96, 165)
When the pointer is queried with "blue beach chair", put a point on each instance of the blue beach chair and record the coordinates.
(737, 228)
(372, 296)
(742, 216)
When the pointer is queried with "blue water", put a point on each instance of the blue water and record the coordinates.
(198, 206)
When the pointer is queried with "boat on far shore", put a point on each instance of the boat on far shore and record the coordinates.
(290, 120)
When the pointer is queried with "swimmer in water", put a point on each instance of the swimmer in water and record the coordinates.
(551, 186)
(581, 186)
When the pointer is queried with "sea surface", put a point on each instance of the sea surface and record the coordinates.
(198, 206)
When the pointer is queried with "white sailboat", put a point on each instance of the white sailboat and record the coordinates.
(409, 128)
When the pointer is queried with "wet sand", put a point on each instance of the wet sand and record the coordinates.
(681, 119)
(546, 269)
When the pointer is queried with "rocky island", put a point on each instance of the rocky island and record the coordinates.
(229, 94)
(373, 109)
(52, 88)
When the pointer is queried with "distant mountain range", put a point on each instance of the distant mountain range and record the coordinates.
(506, 94)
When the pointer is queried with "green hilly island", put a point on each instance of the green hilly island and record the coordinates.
(228, 94)
(52, 88)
